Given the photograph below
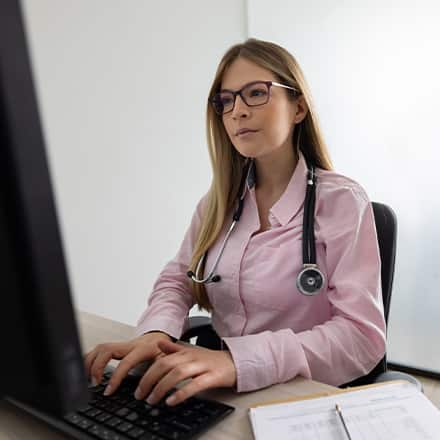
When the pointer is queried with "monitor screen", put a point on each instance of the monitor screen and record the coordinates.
(41, 363)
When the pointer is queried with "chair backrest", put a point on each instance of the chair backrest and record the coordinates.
(386, 228)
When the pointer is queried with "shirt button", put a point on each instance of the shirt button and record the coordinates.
(272, 220)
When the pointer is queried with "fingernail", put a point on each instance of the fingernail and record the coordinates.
(171, 400)
(138, 394)
(94, 382)
(151, 399)
(108, 390)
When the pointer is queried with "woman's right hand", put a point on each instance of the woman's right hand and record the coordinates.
(130, 353)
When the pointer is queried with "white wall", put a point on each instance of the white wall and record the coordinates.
(123, 88)
(374, 70)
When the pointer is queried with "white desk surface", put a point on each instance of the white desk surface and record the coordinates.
(17, 425)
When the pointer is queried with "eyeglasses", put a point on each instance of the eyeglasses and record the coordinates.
(253, 94)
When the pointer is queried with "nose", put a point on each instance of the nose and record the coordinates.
(240, 110)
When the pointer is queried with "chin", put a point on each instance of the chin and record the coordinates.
(248, 151)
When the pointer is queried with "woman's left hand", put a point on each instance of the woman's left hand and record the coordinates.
(207, 368)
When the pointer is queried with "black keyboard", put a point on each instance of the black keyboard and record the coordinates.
(122, 417)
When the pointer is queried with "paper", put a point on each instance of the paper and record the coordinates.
(395, 411)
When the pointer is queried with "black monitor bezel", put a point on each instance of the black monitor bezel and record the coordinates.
(42, 362)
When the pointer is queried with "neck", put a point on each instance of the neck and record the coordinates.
(274, 171)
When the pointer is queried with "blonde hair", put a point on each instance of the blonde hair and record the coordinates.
(228, 165)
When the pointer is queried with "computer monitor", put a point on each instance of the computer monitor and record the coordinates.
(41, 362)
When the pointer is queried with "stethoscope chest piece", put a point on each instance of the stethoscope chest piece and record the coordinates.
(310, 280)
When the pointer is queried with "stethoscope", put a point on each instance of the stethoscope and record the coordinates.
(310, 279)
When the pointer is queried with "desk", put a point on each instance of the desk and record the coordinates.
(17, 425)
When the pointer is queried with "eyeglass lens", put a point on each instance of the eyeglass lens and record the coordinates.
(252, 94)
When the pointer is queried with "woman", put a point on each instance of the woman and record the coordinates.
(263, 136)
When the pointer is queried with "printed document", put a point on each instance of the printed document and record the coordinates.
(391, 411)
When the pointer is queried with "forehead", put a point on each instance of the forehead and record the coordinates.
(243, 71)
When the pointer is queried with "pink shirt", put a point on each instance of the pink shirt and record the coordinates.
(273, 331)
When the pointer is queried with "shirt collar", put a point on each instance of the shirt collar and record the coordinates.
(292, 199)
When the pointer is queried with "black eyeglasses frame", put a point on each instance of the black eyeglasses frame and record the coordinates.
(215, 101)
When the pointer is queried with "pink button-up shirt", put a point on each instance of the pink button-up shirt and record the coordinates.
(273, 331)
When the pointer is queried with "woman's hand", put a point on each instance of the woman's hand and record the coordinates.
(131, 353)
(207, 368)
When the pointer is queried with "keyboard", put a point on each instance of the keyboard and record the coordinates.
(122, 417)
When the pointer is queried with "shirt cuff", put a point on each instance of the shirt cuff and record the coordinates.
(267, 358)
(169, 326)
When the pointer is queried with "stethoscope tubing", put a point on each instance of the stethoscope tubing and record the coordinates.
(210, 277)
(310, 279)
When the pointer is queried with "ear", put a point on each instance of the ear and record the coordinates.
(301, 109)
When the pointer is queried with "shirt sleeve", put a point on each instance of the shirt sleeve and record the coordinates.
(171, 298)
(352, 342)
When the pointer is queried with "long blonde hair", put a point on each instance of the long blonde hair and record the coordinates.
(228, 165)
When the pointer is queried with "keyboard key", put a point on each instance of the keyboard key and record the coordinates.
(84, 409)
(104, 433)
(171, 433)
(102, 404)
(166, 431)
(113, 407)
(212, 410)
(180, 425)
(199, 406)
(169, 417)
(155, 426)
(132, 417)
(135, 433)
(123, 412)
(103, 417)
(93, 412)
(123, 400)
(114, 421)
(155, 412)
(135, 404)
(201, 419)
(144, 422)
(80, 421)
(189, 413)
(150, 436)
(73, 418)
(124, 427)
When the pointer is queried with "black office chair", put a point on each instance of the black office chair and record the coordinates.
(386, 227)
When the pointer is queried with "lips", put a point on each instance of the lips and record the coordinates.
(244, 130)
